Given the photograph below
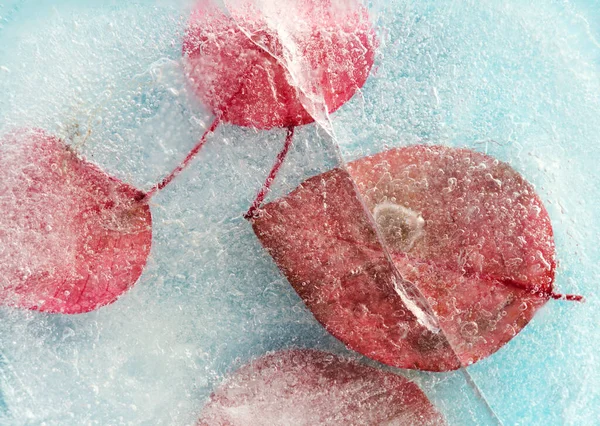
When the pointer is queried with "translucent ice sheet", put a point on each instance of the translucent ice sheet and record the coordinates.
(520, 83)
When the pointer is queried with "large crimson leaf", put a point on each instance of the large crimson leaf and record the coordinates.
(305, 387)
(72, 238)
(254, 71)
(463, 228)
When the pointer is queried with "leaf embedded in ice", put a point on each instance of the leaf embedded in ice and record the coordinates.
(464, 229)
(307, 387)
(257, 69)
(72, 238)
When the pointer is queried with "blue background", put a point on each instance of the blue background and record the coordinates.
(518, 81)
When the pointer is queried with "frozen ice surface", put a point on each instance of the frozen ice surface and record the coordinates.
(518, 82)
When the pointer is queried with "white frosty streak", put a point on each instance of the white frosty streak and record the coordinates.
(424, 318)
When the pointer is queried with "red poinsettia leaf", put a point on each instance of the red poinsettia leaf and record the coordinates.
(72, 238)
(240, 64)
(464, 229)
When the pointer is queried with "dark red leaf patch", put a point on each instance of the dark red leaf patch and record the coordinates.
(463, 228)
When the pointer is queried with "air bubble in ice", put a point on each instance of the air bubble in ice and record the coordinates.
(400, 226)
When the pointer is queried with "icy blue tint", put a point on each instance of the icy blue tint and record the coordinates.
(518, 80)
